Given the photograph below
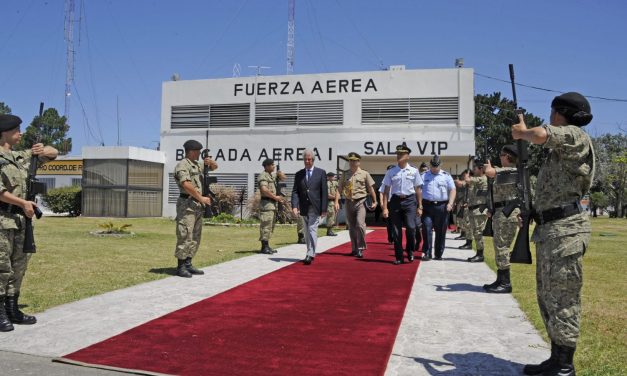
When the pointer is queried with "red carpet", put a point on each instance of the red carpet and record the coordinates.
(338, 316)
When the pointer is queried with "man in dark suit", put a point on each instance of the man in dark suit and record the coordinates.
(310, 200)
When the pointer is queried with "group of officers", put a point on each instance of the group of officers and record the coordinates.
(561, 234)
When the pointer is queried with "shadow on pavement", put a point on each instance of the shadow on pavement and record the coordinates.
(168, 271)
(283, 259)
(456, 287)
(473, 363)
(248, 252)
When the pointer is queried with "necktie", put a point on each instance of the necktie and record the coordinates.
(308, 174)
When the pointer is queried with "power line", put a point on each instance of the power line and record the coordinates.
(549, 90)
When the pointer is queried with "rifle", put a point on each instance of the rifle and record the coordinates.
(207, 181)
(521, 253)
(487, 230)
(33, 188)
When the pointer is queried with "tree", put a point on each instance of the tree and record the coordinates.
(611, 169)
(4, 109)
(49, 129)
(598, 200)
(494, 115)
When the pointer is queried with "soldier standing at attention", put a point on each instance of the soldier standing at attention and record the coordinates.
(356, 185)
(334, 203)
(14, 167)
(460, 221)
(562, 231)
(268, 204)
(403, 197)
(504, 228)
(189, 207)
(477, 207)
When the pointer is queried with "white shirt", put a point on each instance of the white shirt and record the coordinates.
(402, 181)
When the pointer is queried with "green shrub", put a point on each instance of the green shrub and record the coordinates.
(111, 228)
(64, 200)
(223, 218)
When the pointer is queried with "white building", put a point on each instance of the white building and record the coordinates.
(248, 119)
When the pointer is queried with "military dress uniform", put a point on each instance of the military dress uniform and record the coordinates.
(355, 189)
(332, 188)
(14, 166)
(189, 213)
(478, 213)
(267, 210)
(436, 192)
(504, 227)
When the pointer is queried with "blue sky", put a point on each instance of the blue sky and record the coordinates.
(127, 48)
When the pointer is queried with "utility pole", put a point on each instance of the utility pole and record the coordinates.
(291, 5)
(69, 64)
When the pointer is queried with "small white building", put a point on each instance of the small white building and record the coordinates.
(244, 120)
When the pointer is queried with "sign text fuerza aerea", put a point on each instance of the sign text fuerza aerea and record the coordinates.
(356, 85)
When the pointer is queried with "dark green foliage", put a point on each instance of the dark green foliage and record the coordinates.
(64, 200)
(49, 129)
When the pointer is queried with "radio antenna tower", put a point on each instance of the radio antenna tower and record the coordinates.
(69, 65)
(291, 4)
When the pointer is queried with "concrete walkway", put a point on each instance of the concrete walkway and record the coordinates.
(450, 326)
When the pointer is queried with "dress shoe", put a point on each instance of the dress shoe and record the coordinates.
(308, 260)
(360, 253)
(410, 258)
(437, 258)
(426, 257)
(398, 262)
(331, 233)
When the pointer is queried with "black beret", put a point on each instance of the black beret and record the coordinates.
(267, 162)
(435, 161)
(423, 165)
(510, 149)
(352, 156)
(330, 174)
(575, 108)
(192, 145)
(403, 149)
(478, 162)
(8, 122)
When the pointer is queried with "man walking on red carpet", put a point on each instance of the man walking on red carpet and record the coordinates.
(310, 200)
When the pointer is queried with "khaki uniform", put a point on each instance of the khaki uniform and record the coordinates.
(14, 167)
(564, 178)
(189, 212)
(331, 214)
(477, 208)
(267, 206)
(504, 190)
(355, 189)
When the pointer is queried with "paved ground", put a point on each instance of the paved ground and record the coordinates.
(450, 326)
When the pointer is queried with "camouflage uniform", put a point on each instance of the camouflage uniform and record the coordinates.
(189, 212)
(504, 228)
(267, 206)
(331, 214)
(477, 208)
(14, 167)
(564, 178)
(459, 205)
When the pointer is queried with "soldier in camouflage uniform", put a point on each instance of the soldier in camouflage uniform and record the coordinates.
(460, 218)
(562, 231)
(477, 207)
(189, 207)
(334, 203)
(300, 229)
(268, 205)
(504, 228)
(14, 166)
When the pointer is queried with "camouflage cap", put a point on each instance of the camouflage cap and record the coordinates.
(352, 156)
(192, 145)
(8, 122)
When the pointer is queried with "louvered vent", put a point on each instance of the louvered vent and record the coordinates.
(410, 110)
(304, 113)
(235, 115)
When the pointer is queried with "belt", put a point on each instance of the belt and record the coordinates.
(500, 204)
(184, 195)
(554, 214)
(403, 197)
(9, 208)
(357, 199)
(429, 202)
(477, 206)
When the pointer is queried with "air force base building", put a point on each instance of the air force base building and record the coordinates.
(244, 120)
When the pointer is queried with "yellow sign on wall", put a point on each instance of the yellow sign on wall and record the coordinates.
(65, 167)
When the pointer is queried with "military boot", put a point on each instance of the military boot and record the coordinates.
(462, 236)
(495, 283)
(504, 286)
(181, 270)
(265, 248)
(5, 323)
(14, 314)
(190, 268)
(467, 245)
(478, 257)
(330, 232)
(536, 369)
(563, 364)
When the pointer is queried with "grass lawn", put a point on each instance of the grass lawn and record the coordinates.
(71, 264)
(602, 346)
